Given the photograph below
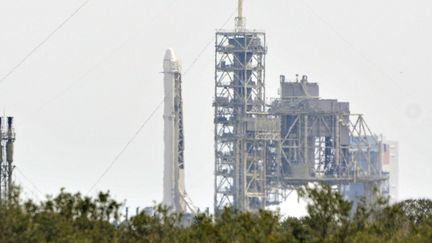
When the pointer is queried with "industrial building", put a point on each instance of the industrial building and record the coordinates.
(265, 150)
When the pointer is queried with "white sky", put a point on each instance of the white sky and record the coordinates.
(84, 93)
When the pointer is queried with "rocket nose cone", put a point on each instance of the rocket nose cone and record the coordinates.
(169, 55)
(170, 63)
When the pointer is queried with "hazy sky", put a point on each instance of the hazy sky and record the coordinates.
(84, 93)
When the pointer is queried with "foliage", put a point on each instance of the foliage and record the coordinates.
(76, 218)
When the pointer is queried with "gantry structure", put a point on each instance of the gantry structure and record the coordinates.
(321, 141)
(245, 136)
(264, 151)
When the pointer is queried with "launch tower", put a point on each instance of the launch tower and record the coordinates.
(265, 151)
(243, 131)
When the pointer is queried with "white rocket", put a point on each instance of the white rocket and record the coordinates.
(174, 188)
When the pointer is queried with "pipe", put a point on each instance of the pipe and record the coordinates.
(240, 9)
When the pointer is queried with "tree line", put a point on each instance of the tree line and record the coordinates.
(71, 217)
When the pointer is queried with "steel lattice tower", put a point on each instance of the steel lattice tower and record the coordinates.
(245, 141)
(265, 151)
(7, 139)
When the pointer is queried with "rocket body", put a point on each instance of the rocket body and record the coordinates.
(173, 185)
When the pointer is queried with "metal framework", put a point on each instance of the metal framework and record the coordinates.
(263, 152)
(245, 135)
(7, 139)
(262, 156)
(322, 142)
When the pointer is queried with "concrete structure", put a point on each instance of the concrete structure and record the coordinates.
(7, 139)
(264, 151)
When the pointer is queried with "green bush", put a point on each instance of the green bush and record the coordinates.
(76, 218)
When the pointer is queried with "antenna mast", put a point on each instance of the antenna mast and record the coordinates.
(240, 21)
(7, 139)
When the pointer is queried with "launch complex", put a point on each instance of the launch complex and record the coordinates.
(264, 151)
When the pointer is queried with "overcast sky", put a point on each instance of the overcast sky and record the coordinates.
(83, 94)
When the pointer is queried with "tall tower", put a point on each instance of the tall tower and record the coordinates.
(7, 139)
(174, 187)
(264, 151)
(243, 132)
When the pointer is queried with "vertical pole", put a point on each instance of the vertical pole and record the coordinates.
(1, 160)
(244, 143)
(9, 155)
(306, 145)
(240, 20)
(337, 142)
(240, 9)
(215, 198)
(127, 214)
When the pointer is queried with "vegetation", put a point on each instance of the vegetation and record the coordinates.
(77, 218)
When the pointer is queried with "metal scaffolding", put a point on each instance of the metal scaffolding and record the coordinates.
(263, 152)
(321, 141)
(245, 135)
(7, 139)
(262, 156)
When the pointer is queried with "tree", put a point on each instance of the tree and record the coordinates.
(328, 213)
(71, 217)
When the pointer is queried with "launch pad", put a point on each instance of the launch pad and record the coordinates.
(264, 150)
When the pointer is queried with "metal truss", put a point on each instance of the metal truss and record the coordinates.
(240, 152)
(338, 149)
(311, 147)
(262, 154)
